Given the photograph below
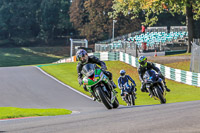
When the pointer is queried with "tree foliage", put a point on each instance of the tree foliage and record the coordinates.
(153, 8)
(21, 20)
(91, 19)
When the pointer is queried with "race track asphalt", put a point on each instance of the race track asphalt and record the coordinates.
(28, 87)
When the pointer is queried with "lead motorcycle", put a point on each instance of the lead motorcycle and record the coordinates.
(98, 84)
(154, 86)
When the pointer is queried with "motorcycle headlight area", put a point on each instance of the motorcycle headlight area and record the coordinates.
(90, 73)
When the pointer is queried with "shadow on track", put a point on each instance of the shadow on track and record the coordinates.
(122, 107)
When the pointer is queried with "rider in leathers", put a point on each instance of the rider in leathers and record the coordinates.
(144, 66)
(83, 59)
(122, 80)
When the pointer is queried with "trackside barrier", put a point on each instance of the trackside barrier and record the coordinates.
(178, 75)
(73, 59)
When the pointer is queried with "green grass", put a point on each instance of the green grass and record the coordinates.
(57, 51)
(179, 54)
(67, 73)
(27, 56)
(12, 112)
(184, 65)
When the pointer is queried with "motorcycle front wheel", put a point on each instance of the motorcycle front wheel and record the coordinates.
(115, 103)
(106, 100)
(132, 100)
(160, 95)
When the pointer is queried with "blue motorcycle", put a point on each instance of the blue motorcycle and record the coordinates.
(153, 84)
(129, 94)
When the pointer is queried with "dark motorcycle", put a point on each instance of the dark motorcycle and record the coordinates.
(129, 94)
(153, 84)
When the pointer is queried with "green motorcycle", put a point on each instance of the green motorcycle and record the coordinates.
(98, 84)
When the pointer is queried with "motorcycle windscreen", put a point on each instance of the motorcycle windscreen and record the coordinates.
(88, 70)
(150, 74)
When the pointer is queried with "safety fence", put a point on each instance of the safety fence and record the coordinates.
(178, 75)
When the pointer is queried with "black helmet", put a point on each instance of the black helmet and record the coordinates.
(81, 55)
(122, 73)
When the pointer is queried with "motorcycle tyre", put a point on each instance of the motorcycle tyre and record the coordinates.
(115, 103)
(160, 96)
(132, 100)
(105, 100)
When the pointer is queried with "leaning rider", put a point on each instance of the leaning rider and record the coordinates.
(144, 66)
(122, 80)
(83, 58)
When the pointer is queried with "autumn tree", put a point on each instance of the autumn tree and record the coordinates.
(153, 8)
(91, 19)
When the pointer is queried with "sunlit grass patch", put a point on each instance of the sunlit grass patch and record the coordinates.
(184, 65)
(13, 112)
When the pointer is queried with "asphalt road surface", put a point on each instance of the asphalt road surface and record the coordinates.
(28, 87)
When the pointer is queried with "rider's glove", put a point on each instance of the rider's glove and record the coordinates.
(159, 73)
(104, 67)
(80, 81)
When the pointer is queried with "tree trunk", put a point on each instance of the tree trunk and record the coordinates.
(190, 25)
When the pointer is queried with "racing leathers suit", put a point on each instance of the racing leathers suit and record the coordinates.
(122, 81)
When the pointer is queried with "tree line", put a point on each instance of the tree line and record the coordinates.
(27, 21)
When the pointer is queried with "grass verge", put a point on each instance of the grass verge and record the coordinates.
(179, 54)
(13, 112)
(28, 56)
(67, 73)
(184, 65)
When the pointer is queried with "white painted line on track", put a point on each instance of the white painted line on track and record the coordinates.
(75, 112)
(63, 83)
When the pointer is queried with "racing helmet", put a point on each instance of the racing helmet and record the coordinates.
(82, 56)
(142, 61)
(122, 73)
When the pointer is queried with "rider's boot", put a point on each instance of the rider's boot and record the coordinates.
(167, 89)
(85, 88)
(123, 98)
(113, 84)
(135, 91)
(135, 95)
(93, 97)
